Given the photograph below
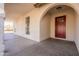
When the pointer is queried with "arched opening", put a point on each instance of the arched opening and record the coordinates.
(8, 26)
(59, 22)
(8, 29)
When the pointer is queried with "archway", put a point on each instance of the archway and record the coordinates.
(8, 30)
(47, 25)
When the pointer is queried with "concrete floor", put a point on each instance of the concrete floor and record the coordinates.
(19, 46)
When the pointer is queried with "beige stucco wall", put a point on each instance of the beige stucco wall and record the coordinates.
(45, 27)
(34, 25)
(35, 16)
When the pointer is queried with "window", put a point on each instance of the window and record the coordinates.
(27, 25)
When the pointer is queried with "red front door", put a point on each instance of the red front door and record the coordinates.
(60, 27)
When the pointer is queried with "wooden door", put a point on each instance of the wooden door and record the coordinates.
(60, 27)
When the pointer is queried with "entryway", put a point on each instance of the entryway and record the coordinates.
(59, 23)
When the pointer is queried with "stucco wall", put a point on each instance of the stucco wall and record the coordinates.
(35, 16)
(34, 25)
(45, 27)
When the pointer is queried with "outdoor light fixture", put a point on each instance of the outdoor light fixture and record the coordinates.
(38, 5)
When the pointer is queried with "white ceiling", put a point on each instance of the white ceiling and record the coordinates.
(14, 10)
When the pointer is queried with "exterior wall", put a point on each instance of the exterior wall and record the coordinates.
(35, 16)
(45, 28)
(34, 26)
(75, 6)
(70, 24)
